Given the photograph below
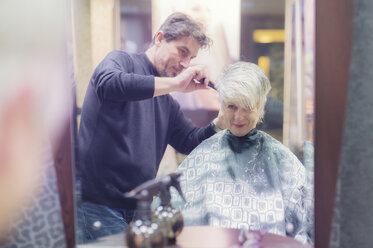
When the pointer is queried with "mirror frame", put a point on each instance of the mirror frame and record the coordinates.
(334, 20)
(64, 158)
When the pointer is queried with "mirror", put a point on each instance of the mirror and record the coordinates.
(256, 34)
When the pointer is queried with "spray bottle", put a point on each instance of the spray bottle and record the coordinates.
(142, 231)
(170, 219)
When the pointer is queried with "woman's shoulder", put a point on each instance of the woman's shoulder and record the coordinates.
(268, 140)
(274, 146)
(211, 145)
(217, 139)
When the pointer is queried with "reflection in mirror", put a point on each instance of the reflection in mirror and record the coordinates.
(253, 31)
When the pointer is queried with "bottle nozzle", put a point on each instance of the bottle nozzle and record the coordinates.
(178, 188)
(176, 184)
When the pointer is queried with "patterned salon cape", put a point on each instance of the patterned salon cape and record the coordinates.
(262, 185)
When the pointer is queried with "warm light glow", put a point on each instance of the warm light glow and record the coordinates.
(264, 63)
(221, 18)
(269, 35)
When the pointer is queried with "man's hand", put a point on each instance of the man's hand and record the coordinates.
(220, 122)
(186, 81)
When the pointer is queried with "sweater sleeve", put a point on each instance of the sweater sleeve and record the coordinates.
(114, 79)
(184, 136)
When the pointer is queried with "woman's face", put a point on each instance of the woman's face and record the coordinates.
(240, 120)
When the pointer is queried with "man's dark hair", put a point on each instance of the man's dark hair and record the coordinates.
(179, 25)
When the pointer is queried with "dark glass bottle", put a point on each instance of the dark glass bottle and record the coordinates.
(142, 231)
(170, 219)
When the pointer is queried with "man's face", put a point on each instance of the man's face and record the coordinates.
(173, 57)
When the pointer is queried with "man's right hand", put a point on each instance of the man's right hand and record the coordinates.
(186, 81)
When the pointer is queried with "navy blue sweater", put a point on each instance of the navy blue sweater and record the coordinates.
(124, 131)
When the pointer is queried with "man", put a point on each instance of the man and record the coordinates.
(128, 118)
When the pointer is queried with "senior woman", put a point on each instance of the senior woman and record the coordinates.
(242, 177)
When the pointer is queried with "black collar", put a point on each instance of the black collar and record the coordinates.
(239, 144)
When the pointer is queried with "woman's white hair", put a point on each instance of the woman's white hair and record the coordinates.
(244, 84)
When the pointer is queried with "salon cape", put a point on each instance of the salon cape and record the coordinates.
(261, 187)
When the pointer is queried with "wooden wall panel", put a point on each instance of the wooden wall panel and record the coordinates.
(63, 158)
(333, 48)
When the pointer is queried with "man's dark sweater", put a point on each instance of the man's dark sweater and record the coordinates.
(124, 131)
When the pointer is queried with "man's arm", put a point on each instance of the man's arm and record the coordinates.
(184, 135)
(114, 79)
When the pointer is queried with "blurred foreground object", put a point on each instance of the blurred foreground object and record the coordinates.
(34, 100)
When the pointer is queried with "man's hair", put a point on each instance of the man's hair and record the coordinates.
(246, 84)
(179, 25)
